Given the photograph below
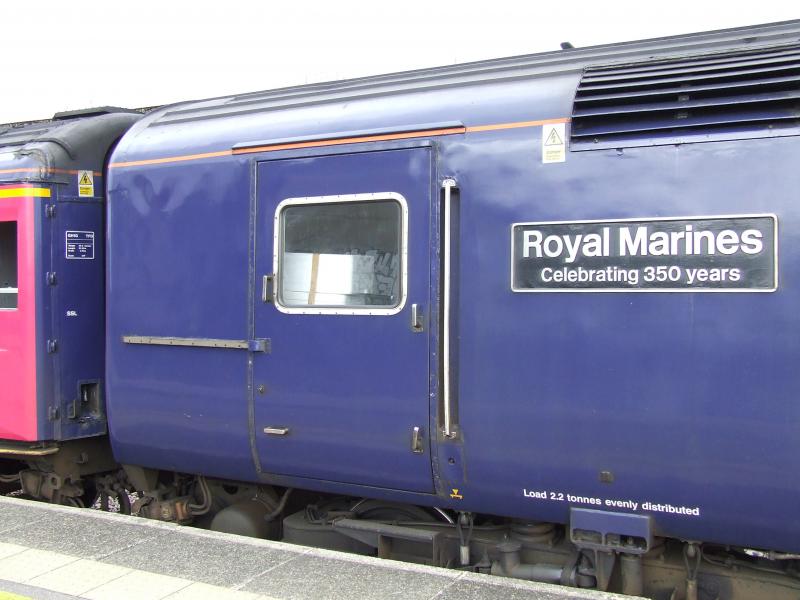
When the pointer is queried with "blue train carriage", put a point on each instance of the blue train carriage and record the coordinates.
(53, 431)
(533, 316)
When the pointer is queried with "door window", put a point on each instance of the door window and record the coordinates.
(342, 254)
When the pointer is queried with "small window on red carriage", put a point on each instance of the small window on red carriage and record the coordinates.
(9, 291)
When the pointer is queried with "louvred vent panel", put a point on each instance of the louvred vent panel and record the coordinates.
(679, 98)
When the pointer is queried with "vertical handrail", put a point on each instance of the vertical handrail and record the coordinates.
(447, 186)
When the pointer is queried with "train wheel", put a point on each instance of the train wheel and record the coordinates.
(89, 493)
(390, 511)
(117, 501)
(9, 477)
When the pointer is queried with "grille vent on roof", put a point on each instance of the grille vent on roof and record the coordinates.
(670, 100)
(20, 137)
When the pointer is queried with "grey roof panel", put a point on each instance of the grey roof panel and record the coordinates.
(495, 70)
(80, 142)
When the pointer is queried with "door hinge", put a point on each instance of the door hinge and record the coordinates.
(50, 211)
(52, 346)
(51, 278)
(52, 413)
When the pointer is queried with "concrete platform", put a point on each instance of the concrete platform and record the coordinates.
(53, 552)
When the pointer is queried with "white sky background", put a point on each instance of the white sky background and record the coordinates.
(61, 55)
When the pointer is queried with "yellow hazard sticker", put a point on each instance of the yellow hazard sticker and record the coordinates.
(85, 184)
(554, 145)
(455, 495)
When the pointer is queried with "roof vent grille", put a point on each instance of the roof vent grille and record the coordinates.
(672, 100)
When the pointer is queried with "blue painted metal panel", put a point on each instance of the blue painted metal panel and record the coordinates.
(178, 266)
(667, 391)
(688, 400)
(350, 388)
(78, 249)
(502, 102)
(70, 326)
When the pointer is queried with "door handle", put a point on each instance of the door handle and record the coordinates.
(416, 441)
(416, 319)
(276, 430)
(267, 293)
(448, 430)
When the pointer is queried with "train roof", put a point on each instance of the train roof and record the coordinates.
(533, 65)
(44, 149)
(550, 80)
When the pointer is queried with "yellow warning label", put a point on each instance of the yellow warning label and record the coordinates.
(554, 148)
(553, 139)
(85, 184)
(455, 495)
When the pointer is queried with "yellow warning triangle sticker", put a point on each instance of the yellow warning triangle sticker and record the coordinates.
(553, 139)
(85, 179)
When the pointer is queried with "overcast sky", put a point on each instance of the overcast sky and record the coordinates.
(68, 55)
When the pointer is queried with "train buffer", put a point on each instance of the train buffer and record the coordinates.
(60, 553)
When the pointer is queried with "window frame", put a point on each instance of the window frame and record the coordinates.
(277, 252)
